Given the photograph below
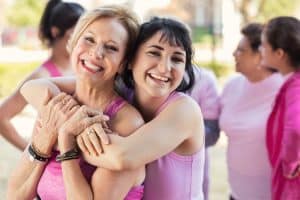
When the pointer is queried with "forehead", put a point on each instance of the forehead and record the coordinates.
(160, 38)
(244, 42)
(108, 29)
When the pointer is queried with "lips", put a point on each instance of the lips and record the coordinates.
(91, 67)
(159, 78)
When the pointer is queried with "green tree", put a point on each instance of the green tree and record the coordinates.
(262, 10)
(25, 12)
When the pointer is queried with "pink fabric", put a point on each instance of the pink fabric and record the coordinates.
(283, 140)
(51, 68)
(51, 184)
(205, 92)
(173, 176)
(246, 107)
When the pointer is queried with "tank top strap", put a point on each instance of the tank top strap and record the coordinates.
(172, 97)
(51, 68)
(114, 106)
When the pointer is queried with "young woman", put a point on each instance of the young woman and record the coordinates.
(281, 51)
(98, 50)
(246, 103)
(55, 28)
(172, 140)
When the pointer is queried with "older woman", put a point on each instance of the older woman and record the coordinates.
(245, 105)
(99, 47)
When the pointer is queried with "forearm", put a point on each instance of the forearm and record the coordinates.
(24, 180)
(75, 183)
(45, 88)
(113, 156)
(212, 132)
(9, 132)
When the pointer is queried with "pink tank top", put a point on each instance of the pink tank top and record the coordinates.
(173, 176)
(51, 68)
(51, 184)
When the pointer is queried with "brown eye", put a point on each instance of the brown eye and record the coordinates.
(177, 60)
(111, 48)
(153, 53)
(89, 40)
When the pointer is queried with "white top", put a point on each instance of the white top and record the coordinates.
(245, 108)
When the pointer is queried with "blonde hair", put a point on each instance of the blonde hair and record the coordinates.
(123, 14)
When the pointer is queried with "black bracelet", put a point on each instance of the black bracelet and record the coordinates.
(71, 154)
(34, 155)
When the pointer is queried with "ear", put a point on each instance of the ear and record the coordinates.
(258, 58)
(54, 31)
(280, 53)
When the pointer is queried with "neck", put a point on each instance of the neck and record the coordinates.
(258, 75)
(147, 105)
(60, 58)
(98, 97)
(286, 69)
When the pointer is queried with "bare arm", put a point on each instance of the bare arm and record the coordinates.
(24, 180)
(106, 184)
(46, 88)
(12, 106)
(9, 108)
(180, 123)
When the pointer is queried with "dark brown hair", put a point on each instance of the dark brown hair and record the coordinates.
(253, 33)
(284, 33)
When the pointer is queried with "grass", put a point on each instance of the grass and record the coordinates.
(11, 74)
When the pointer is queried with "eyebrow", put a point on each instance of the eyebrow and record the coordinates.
(161, 48)
(91, 32)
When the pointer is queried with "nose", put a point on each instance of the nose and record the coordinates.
(97, 51)
(234, 53)
(165, 65)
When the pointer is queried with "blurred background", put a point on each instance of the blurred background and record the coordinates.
(215, 26)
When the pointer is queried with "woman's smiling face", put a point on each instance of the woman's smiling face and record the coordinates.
(99, 51)
(158, 67)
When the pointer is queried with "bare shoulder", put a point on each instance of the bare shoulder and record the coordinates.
(186, 108)
(127, 120)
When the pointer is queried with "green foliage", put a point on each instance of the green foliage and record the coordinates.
(220, 69)
(24, 13)
(273, 8)
(11, 74)
(203, 36)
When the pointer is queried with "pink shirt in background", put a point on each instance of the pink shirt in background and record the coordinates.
(245, 107)
(205, 93)
(173, 176)
(51, 68)
(283, 140)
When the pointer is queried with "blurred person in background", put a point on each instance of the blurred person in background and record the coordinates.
(246, 103)
(281, 51)
(205, 93)
(56, 25)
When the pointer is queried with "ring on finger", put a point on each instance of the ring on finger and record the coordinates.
(90, 131)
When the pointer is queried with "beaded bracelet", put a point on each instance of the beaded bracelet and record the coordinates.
(71, 154)
(35, 155)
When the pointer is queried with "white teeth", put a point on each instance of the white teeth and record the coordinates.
(92, 66)
(159, 77)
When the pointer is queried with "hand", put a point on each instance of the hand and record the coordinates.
(83, 118)
(90, 141)
(51, 117)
